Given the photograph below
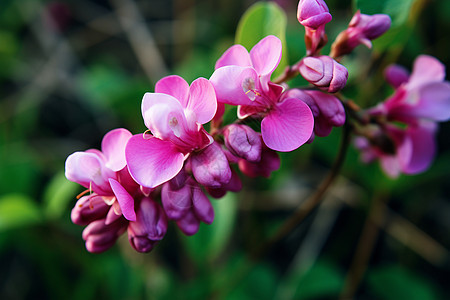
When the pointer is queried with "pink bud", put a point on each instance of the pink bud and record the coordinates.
(150, 226)
(203, 209)
(88, 209)
(210, 166)
(313, 13)
(324, 72)
(244, 142)
(176, 202)
(361, 30)
(100, 237)
(189, 224)
(234, 185)
(396, 75)
(270, 161)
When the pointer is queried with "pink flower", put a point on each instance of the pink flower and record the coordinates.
(100, 236)
(408, 151)
(324, 72)
(424, 95)
(242, 141)
(362, 29)
(174, 114)
(313, 14)
(243, 78)
(269, 162)
(104, 172)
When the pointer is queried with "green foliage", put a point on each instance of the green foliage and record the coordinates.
(18, 210)
(260, 20)
(398, 10)
(394, 282)
(58, 194)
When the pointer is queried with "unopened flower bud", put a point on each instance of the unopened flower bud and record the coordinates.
(150, 226)
(176, 201)
(324, 72)
(210, 166)
(243, 142)
(100, 237)
(361, 30)
(313, 13)
(396, 75)
(270, 161)
(88, 209)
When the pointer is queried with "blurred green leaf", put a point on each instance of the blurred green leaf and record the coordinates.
(395, 282)
(208, 242)
(323, 279)
(18, 210)
(260, 20)
(260, 283)
(58, 194)
(398, 10)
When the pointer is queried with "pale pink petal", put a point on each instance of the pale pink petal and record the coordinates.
(426, 69)
(202, 100)
(163, 115)
(434, 102)
(266, 55)
(113, 147)
(236, 55)
(152, 161)
(423, 147)
(390, 165)
(174, 86)
(232, 82)
(125, 200)
(288, 126)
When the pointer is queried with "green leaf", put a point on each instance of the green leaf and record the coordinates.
(18, 210)
(260, 20)
(208, 242)
(395, 282)
(58, 194)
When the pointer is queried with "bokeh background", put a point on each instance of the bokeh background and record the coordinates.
(72, 70)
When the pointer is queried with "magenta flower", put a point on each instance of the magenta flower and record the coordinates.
(324, 72)
(362, 29)
(104, 172)
(425, 94)
(242, 141)
(174, 114)
(243, 78)
(269, 162)
(313, 14)
(100, 236)
(408, 151)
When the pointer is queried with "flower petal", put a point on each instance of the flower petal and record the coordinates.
(125, 200)
(266, 55)
(236, 55)
(152, 161)
(426, 69)
(202, 100)
(210, 166)
(288, 126)
(232, 82)
(174, 86)
(434, 103)
(202, 206)
(113, 147)
(163, 115)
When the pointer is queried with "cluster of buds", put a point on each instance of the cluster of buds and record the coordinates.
(170, 172)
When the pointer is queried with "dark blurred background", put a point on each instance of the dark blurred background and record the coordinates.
(70, 71)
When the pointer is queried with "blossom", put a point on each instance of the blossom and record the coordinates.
(174, 114)
(324, 72)
(104, 172)
(362, 29)
(243, 78)
(400, 150)
(313, 14)
(424, 95)
(242, 141)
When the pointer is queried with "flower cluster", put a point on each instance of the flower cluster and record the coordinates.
(170, 172)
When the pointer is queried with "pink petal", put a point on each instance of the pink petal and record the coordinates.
(189, 224)
(236, 55)
(232, 82)
(125, 200)
(434, 102)
(202, 206)
(426, 69)
(202, 100)
(174, 86)
(163, 115)
(288, 126)
(113, 147)
(176, 202)
(266, 55)
(152, 161)
(423, 147)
